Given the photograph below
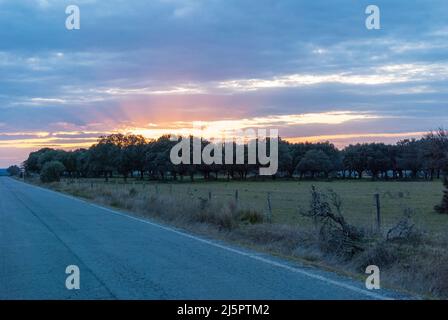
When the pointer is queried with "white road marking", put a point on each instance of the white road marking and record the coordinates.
(223, 247)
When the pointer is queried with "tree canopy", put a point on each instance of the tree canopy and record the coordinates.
(130, 155)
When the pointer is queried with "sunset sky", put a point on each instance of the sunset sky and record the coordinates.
(308, 68)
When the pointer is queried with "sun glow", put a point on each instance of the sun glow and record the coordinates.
(219, 128)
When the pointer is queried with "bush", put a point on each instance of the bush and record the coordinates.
(443, 207)
(251, 216)
(215, 214)
(405, 230)
(133, 192)
(381, 254)
(13, 171)
(336, 236)
(52, 171)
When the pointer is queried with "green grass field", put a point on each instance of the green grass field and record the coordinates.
(288, 196)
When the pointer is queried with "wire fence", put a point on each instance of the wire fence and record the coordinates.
(371, 208)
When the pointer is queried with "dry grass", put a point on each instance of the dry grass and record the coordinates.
(287, 196)
(417, 262)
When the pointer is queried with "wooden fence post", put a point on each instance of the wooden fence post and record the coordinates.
(236, 197)
(378, 211)
(269, 208)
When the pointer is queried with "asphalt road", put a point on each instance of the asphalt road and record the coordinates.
(123, 257)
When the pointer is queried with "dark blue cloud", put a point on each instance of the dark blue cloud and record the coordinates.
(146, 50)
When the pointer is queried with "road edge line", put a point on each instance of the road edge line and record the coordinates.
(221, 246)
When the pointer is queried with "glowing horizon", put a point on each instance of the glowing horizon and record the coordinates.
(24, 142)
(217, 62)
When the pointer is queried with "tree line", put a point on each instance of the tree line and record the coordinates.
(134, 156)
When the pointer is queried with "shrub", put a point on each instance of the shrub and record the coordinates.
(251, 216)
(215, 214)
(405, 230)
(381, 254)
(224, 219)
(13, 170)
(336, 236)
(133, 192)
(52, 171)
(443, 207)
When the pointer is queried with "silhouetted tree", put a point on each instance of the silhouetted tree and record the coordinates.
(52, 171)
(13, 170)
(127, 154)
(355, 158)
(410, 157)
(315, 161)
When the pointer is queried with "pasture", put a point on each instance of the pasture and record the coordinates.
(288, 197)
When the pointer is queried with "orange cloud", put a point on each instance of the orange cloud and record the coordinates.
(342, 140)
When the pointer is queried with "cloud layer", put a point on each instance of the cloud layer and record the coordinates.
(154, 66)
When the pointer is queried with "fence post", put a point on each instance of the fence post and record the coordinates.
(269, 208)
(378, 211)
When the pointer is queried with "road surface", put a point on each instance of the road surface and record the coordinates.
(124, 257)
